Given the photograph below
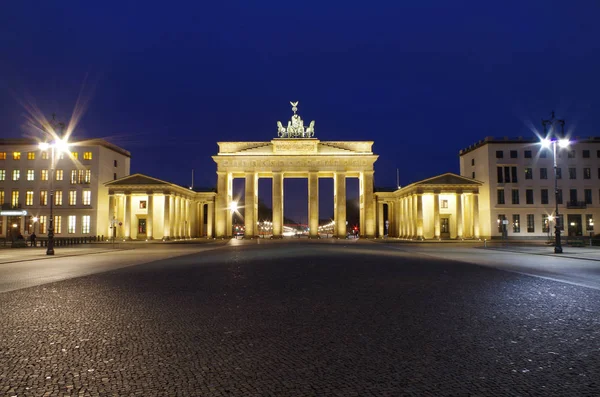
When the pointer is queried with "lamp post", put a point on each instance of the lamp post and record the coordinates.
(553, 139)
(61, 146)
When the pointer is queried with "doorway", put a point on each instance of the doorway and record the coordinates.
(445, 227)
(141, 228)
(575, 226)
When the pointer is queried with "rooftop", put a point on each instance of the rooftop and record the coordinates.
(76, 142)
(519, 140)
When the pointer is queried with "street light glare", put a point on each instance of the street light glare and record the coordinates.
(563, 143)
(233, 206)
(546, 142)
(44, 146)
(61, 145)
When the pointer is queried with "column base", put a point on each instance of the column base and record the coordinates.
(314, 237)
(274, 237)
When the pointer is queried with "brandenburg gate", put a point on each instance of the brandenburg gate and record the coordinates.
(295, 153)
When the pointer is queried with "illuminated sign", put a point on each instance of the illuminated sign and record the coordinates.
(13, 213)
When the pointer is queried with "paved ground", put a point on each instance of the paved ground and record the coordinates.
(265, 318)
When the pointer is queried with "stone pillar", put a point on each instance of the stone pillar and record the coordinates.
(392, 221)
(459, 215)
(111, 215)
(250, 205)
(150, 217)
(127, 216)
(176, 217)
(200, 227)
(222, 206)
(476, 214)
(210, 214)
(409, 204)
(187, 219)
(313, 204)
(277, 204)
(436, 216)
(368, 229)
(380, 220)
(420, 216)
(167, 218)
(339, 183)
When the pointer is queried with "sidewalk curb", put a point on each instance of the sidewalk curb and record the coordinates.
(68, 255)
(539, 254)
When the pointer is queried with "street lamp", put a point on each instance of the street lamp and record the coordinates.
(551, 140)
(61, 146)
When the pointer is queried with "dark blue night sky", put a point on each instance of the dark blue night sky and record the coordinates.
(422, 79)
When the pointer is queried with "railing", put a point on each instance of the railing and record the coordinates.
(576, 204)
(59, 241)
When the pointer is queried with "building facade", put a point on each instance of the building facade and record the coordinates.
(80, 198)
(517, 198)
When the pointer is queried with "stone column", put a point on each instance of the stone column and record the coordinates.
(380, 220)
(393, 222)
(368, 229)
(339, 183)
(476, 214)
(222, 206)
(420, 216)
(409, 204)
(111, 215)
(436, 215)
(127, 216)
(175, 217)
(250, 204)
(277, 204)
(187, 218)
(459, 215)
(167, 218)
(200, 209)
(210, 214)
(313, 204)
(150, 217)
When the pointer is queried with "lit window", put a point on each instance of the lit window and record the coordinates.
(59, 175)
(3, 156)
(43, 220)
(444, 203)
(58, 197)
(73, 177)
(16, 155)
(73, 197)
(72, 224)
(44, 155)
(88, 176)
(80, 176)
(85, 224)
(87, 197)
(516, 223)
(16, 175)
(61, 156)
(15, 198)
(75, 155)
(1, 200)
(30, 155)
(87, 155)
(29, 197)
(30, 175)
(2, 175)
(57, 224)
(143, 204)
(43, 197)
(44, 175)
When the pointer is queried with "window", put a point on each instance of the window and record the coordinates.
(3, 155)
(43, 197)
(16, 175)
(573, 195)
(528, 173)
(587, 173)
(559, 197)
(514, 174)
(560, 222)
(516, 223)
(72, 223)
(500, 175)
(515, 196)
(529, 196)
(3, 174)
(143, 204)
(543, 173)
(589, 222)
(87, 155)
(501, 223)
(115, 176)
(571, 154)
(472, 161)
(543, 154)
(598, 153)
(44, 155)
(57, 224)
(74, 155)
(530, 223)
(58, 197)
(544, 196)
(60, 156)
(29, 197)
(59, 175)
(558, 173)
(44, 175)
(507, 174)
(527, 154)
(30, 175)
(572, 173)
(444, 203)
(85, 224)
(15, 198)
(73, 197)
(513, 154)
(88, 176)
(545, 223)
(80, 176)
(587, 195)
(501, 196)
(87, 197)
(42, 220)
(473, 174)
(586, 154)
(73, 177)
(16, 155)
(1, 201)
(115, 163)
(30, 155)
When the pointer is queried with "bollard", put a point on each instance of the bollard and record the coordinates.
(484, 243)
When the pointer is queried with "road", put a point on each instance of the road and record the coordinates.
(297, 318)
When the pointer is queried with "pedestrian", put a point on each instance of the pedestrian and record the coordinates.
(32, 238)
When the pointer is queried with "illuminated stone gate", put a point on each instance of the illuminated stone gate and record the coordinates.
(294, 154)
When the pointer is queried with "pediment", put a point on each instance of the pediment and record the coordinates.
(137, 179)
(448, 179)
